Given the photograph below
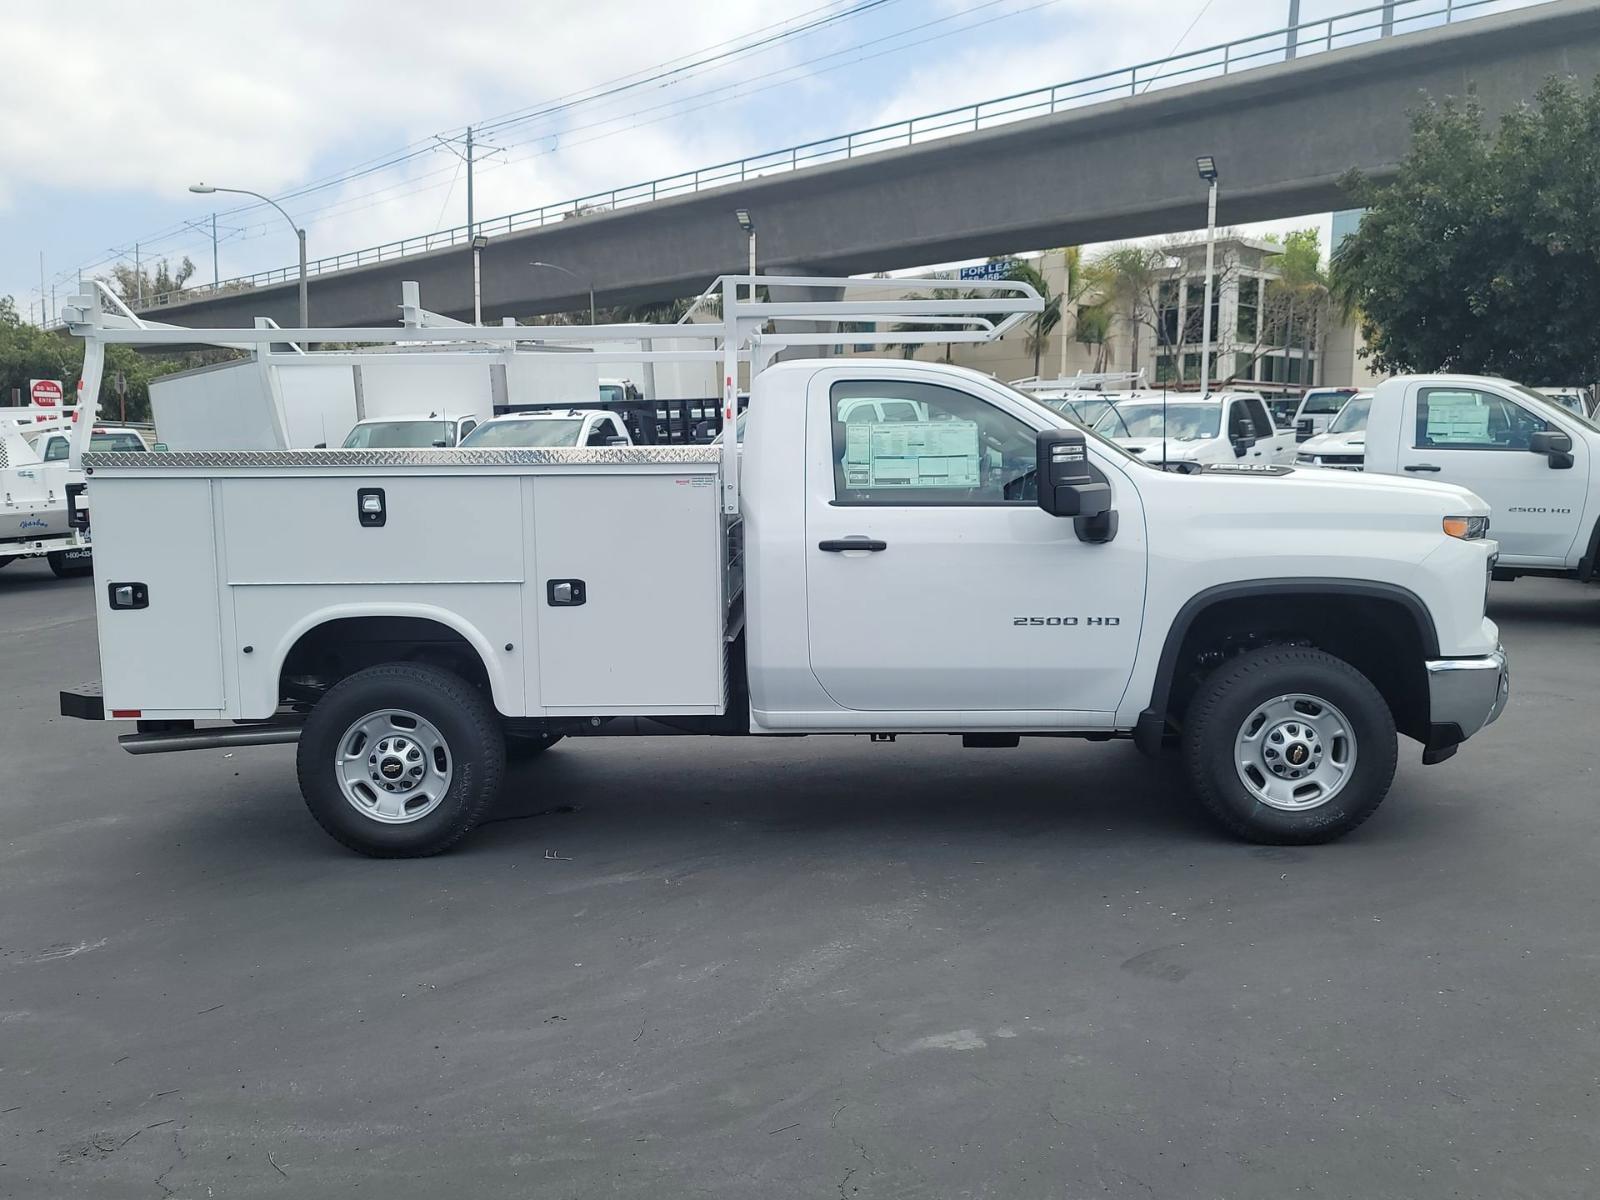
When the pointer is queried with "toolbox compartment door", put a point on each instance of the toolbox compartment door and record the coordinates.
(166, 655)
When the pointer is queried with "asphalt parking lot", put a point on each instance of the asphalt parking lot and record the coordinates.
(678, 967)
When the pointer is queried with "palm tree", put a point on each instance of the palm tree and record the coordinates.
(1128, 277)
(1040, 325)
(1303, 285)
(1093, 327)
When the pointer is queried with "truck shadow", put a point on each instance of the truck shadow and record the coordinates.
(918, 791)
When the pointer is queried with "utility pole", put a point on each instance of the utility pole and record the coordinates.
(138, 274)
(1207, 167)
(1388, 18)
(43, 317)
(216, 276)
(472, 239)
(1292, 40)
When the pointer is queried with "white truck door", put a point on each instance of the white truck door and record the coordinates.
(964, 595)
(1277, 445)
(1478, 438)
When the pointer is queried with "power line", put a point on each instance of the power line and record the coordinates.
(718, 52)
(410, 186)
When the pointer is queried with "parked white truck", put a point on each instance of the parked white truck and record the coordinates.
(1536, 462)
(985, 570)
(1218, 429)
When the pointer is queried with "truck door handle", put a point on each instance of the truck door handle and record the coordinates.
(1422, 467)
(837, 545)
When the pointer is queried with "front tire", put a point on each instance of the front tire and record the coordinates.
(1289, 746)
(401, 760)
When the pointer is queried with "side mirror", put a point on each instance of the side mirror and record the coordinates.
(1067, 486)
(320, 446)
(1554, 445)
(1241, 444)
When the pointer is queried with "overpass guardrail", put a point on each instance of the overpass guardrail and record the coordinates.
(1341, 30)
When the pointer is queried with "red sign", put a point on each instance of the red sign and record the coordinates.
(45, 393)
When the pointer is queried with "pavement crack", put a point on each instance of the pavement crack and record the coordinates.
(161, 1179)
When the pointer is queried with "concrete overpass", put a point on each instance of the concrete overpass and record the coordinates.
(1282, 136)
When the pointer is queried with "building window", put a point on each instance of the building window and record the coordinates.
(1167, 313)
(1249, 309)
(1194, 316)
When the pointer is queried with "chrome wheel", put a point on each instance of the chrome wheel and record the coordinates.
(1295, 752)
(393, 766)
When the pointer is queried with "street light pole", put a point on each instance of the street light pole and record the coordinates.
(575, 275)
(1207, 166)
(206, 189)
(742, 215)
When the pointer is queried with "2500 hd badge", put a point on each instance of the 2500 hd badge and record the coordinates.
(1066, 620)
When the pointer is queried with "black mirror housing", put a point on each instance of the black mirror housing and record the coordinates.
(1067, 487)
(1550, 442)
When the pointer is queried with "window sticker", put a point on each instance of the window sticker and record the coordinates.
(911, 454)
(1457, 417)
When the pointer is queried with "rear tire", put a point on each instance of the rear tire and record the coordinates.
(66, 568)
(1289, 746)
(401, 760)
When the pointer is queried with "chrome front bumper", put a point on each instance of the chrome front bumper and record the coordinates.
(1464, 695)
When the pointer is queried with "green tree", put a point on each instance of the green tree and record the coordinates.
(28, 352)
(1093, 328)
(1298, 299)
(1128, 278)
(1483, 254)
(142, 284)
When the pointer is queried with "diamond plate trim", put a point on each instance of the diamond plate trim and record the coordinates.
(530, 457)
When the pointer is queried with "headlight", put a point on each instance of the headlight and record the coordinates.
(1467, 528)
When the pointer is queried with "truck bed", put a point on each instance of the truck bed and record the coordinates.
(590, 581)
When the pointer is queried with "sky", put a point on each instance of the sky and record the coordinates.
(350, 114)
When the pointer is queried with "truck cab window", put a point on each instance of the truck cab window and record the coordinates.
(1260, 417)
(1467, 419)
(918, 443)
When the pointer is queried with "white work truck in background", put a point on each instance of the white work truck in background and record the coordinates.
(43, 513)
(1533, 460)
(977, 566)
(1219, 429)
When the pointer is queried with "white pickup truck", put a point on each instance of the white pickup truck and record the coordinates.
(1536, 462)
(986, 570)
(1223, 428)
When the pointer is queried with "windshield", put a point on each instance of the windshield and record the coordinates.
(1545, 404)
(58, 447)
(1320, 404)
(387, 435)
(1353, 416)
(542, 432)
(1085, 412)
(1111, 447)
(1183, 422)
